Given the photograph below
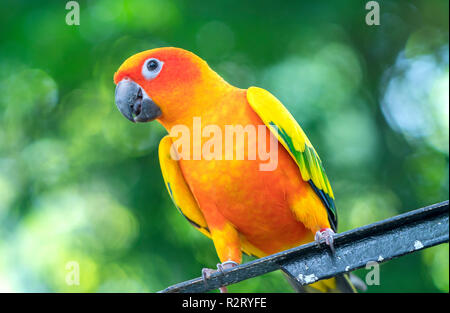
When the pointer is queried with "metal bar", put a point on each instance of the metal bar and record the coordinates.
(380, 242)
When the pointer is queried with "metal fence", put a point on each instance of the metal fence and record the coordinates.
(379, 242)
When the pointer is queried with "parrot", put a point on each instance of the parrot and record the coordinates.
(240, 207)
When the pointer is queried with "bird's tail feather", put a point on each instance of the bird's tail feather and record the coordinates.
(341, 283)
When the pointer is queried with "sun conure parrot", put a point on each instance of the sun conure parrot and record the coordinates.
(233, 202)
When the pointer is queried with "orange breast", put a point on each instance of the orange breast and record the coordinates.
(258, 203)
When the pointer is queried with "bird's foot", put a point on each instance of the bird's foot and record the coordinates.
(207, 272)
(327, 235)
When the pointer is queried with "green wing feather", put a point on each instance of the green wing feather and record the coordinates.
(283, 125)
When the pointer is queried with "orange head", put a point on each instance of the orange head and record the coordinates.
(163, 84)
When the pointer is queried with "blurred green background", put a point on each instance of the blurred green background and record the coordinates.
(78, 182)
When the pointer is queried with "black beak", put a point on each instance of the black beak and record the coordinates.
(134, 103)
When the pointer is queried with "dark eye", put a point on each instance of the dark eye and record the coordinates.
(151, 68)
(152, 65)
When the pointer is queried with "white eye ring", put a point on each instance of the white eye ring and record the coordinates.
(151, 68)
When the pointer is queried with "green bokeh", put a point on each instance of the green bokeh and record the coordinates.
(79, 183)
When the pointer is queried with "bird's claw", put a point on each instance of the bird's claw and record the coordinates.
(207, 272)
(327, 235)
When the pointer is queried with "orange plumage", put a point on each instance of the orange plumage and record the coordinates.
(232, 201)
(257, 203)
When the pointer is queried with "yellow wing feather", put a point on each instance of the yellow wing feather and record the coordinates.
(289, 133)
(178, 189)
